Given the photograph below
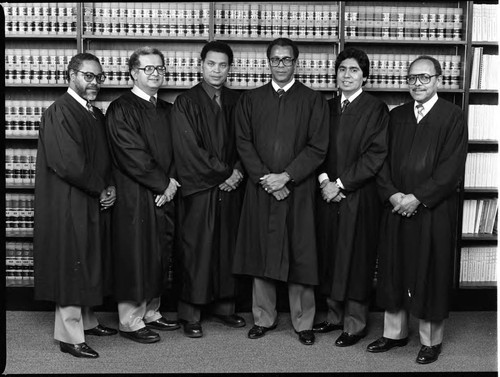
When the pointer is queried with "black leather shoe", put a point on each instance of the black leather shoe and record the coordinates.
(193, 329)
(163, 324)
(231, 320)
(385, 344)
(346, 339)
(306, 337)
(78, 350)
(100, 330)
(259, 331)
(428, 355)
(143, 335)
(326, 326)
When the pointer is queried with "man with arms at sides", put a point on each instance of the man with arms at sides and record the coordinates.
(418, 182)
(210, 174)
(138, 127)
(349, 209)
(73, 197)
(282, 138)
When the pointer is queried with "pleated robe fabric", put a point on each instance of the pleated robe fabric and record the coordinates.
(276, 239)
(72, 169)
(205, 156)
(141, 150)
(416, 254)
(348, 231)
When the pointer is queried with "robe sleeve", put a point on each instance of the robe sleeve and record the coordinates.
(197, 169)
(131, 152)
(449, 167)
(375, 151)
(310, 158)
(244, 141)
(65, 152)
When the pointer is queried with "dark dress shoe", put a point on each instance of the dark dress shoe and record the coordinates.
(100, 330)
(193, 329)
(143, 335)
(326, 326)
(78, 350)
(163, 324)
(231, 320)
(306, 337)
(346, 339)
(384, 344)
(428, 354)
(259, 331)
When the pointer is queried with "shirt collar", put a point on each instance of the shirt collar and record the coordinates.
(352, 97)
(210, 90)
(82, 101)
(285, 88)
(142, 94)
(427, 105)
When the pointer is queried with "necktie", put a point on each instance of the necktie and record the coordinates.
(420, 112)
(280, 92)
(90, 109)
(344, 105)
(152, 99)
(217, 100)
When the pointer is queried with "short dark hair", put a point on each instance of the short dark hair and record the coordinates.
(356, 54)
(133, 61)
(218, 46)
(283, 42)
(76, 62)
(434, 61)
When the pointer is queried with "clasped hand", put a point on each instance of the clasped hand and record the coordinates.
(404, 204)
(107, 197)
(168, 194)
(331, 192)
(275, 184)
(232, 182)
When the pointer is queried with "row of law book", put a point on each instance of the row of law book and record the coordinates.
(22, 117)
(478, 264)
(19, 249)
(19, 214)
(484, 74)
(485, 22)
(19, 263)
(37, 66)
(20, 166)
(295, 21)
(479, 216)
(481, 170)
(161, 19)
(403, 23)
(482, 122)
(58, 19)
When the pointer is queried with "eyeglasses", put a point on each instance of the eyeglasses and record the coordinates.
(149, 69)
(287, 62)
(89, 76)
(424, 78)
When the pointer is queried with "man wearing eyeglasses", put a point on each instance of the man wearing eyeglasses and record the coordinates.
(349, 210)
(282, 138)
(418, 182)
(138, 128)
(74, 192)
(209, 209)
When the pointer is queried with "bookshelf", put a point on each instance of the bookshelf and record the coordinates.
(41, 37)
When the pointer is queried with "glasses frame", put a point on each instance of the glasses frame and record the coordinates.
(282, 60)
(419, 77)
(100, 77)
(155, 68)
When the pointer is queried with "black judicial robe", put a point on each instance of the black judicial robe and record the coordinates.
(276, 239)
(205, 156)
(348, 231)
(141, 150)
(416, 254)
(73, 168)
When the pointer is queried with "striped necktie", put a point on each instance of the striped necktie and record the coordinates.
(90, 109)
(420, 112)
(280, 92)
(152, 99)
(344, 105)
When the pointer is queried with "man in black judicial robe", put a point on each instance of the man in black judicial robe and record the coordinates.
(418, 182)
(209, 207)
(282, 138)
(138, 127)
(349, 209)
(73, 194)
